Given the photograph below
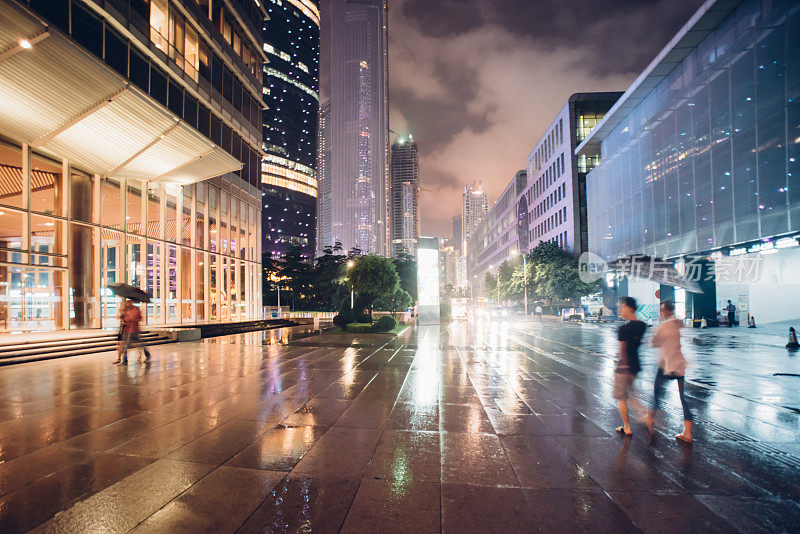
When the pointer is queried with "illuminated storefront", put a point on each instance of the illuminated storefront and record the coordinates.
(101, 182)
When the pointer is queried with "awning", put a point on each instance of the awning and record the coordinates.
(58, 98)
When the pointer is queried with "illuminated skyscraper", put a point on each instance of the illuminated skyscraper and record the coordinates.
(475, 206)
(404, 197)
(359, 125)
(324, 179)
(291, 85)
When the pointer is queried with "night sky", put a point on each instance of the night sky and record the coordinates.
(478, 82)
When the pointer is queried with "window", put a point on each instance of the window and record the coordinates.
(158, 24)
(176, 38)
(139, 73)
(191, 53)
(204, 56)
(116, 53)
(87, 29)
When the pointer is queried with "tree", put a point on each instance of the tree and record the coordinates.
(490, 282)
(399, 300)
(406, 266)
(373, 277)
(555, 274)
(328, 287)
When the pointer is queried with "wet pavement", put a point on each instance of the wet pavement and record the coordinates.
(484, 427)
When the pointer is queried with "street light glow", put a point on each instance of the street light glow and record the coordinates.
(350, 264)
(26, 44)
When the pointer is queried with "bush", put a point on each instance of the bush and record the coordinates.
(345, 316)
(385, 324)
(362, 317)
(341, 321)
(360, 328)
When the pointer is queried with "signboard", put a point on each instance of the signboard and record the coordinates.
(428, 280)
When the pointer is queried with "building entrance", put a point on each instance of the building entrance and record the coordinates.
(30, 298)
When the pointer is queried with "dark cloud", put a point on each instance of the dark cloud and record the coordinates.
(477, 82)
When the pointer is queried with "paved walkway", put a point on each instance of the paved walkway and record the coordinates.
(495, 427)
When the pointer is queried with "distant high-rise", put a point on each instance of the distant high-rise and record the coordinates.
(291, 85)
(458, 233)
(475, 206)
(359, 125)
(324, 238)
(404, 197)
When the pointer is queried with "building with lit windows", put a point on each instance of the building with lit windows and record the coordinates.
(359, 126)
(130, 146)
(700, 159)
(556, 198)
(404, 197)
(291, 85)
(324, 239)
(474, 207)
(496, 237)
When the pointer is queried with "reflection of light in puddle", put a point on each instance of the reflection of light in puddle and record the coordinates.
(426, 377)
(400, 475)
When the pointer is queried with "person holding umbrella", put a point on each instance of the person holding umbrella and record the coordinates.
(130, 316)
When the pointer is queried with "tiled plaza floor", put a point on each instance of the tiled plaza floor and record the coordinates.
(479, 428)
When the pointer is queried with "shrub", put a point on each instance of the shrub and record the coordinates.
(360, 328)
(344, 317)
(385, 324)
(362, 317)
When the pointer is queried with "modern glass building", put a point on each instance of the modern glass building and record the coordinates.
(700, 160)
(291, 86)
(404, 197)
(130, 139)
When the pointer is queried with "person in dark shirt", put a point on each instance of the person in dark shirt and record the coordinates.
(627, 367)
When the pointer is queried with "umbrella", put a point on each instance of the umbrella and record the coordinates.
(128, 291)
(654, 269)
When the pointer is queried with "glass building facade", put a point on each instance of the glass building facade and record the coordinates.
(711, 156)
(700, 164)
(291, 86)
(155, 185)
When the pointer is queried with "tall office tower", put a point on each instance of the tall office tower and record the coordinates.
(475, 206)
(359, 125)
(291, 85)
(404, 197)
(324, 238)
(458, 233)
(135, 160)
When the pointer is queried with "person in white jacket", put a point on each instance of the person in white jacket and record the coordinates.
(671, 366)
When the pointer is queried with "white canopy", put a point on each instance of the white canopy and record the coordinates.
(57, 97)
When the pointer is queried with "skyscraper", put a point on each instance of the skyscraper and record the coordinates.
(359, 125)
(324, 179)
(291, 85)
(475, 206)
(458, 232)
(404, 197)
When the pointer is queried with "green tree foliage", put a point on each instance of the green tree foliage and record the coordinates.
(373, 277)
(406, 266)
(552, 274)
(399, 300)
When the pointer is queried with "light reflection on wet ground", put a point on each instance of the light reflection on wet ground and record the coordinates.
(486, 426)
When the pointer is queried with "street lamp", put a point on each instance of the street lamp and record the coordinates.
(524, 277)
(350, 264)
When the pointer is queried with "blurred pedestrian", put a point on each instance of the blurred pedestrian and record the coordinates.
(731, 309)
(671, 366)
(539, 312)
(792, 344)
(130, 333)
(751, 322)
(123, 308)
(628, 366)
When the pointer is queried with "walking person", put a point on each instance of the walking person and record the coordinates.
(539, 312)
(671, 366)
(130, 333)
(627, 367)
(731, 309)
(122, 311)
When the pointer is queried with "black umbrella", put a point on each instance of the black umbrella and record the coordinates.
(128, 291)
(654, 269)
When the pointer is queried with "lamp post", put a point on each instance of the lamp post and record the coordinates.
(524, 277)
(350, 264)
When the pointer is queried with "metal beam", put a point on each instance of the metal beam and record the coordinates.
(142, 151)
(73, 121)
(16, 49)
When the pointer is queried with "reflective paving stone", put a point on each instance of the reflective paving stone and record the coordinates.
(506, 428)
